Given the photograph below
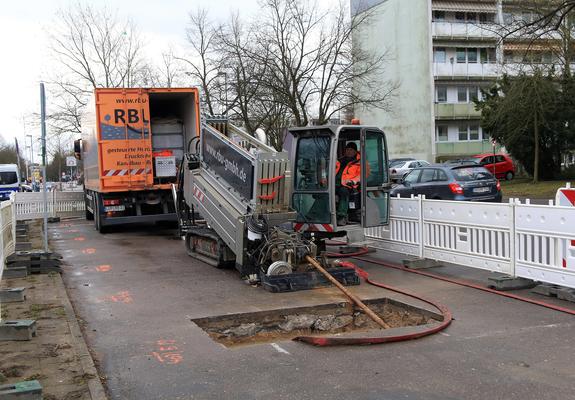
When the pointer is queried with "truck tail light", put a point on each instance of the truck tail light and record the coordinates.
(112, 202)
(498, 185)
(163, 153)
(456, 188)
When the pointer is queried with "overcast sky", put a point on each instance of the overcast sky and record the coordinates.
(26, 61)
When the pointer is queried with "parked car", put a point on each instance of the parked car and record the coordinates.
(395, 161)
(462, 161)
(457, 182)
(501, 165)
(401, 168)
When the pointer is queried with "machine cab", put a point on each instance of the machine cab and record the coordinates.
(340, 178)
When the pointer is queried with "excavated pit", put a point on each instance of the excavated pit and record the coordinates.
(327, 319)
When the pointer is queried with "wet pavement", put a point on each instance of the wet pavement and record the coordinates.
(135, 290)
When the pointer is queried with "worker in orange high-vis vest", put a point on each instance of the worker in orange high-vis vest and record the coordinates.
(348, 177)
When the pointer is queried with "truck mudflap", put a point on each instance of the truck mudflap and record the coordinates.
(307, 280)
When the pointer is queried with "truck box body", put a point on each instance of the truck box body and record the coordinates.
(133, 141)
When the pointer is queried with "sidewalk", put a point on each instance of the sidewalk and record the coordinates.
(57, 356)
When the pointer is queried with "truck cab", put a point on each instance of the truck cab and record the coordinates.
(317, 185)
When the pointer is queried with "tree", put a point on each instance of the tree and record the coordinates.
(521, 114)
(290, 65)
(203, 63)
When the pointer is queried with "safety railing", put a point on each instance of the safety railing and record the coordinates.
(8, 231)
(523, 240)
(30, 205)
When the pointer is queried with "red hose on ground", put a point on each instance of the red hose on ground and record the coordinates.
(467, 284)
(334, 341)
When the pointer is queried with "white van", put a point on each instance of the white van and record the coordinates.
(9, 180)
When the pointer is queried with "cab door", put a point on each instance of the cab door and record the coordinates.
(375, 178)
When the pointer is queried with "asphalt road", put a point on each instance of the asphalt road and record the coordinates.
(136, 290)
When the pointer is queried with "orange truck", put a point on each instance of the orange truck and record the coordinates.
(133, 143)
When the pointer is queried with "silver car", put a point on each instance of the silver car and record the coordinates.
(399, 169)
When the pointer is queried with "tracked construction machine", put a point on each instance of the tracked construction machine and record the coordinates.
(241, 202)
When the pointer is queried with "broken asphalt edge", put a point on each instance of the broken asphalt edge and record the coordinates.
(95, 387)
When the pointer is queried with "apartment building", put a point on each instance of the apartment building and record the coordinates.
(440, 54)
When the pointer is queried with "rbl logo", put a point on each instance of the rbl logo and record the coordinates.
(131, 114)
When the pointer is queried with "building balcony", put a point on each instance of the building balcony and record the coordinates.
(456, 30)
(465, 70)
(445, 150)
(445, 111)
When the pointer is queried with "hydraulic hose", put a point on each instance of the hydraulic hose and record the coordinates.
(467, 284)
(334, 341)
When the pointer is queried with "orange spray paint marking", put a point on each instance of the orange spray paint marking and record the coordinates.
(89, 251)
(122, 297)
(80, 238)
(103, 268)
(72, 231)
(167, 352)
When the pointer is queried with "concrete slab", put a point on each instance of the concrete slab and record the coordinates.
(12, 295)
(509, 283)
(27, 390)
(15, 272)
(21, 329)
(136, 292)
(420, 263)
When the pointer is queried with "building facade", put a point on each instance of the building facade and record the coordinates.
(441, 54)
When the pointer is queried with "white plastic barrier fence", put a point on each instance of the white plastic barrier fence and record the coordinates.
(523, 240)
(7, 233)
(30, 205)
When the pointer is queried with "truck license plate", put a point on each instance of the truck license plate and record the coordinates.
(115, 208)
(481, 190)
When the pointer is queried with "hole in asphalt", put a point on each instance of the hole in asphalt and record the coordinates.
(285, 324)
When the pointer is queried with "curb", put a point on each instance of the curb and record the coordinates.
(95, 387)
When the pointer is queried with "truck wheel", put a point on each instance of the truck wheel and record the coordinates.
(98, 216)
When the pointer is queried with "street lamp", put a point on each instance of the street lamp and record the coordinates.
(225, 75)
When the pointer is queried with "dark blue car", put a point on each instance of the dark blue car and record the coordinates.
(450, 182)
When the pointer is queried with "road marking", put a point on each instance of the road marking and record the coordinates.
(89, 250)
(80, 238)
(444, 334)
(279, 349)
(120, 297)
(103, 268)
(168, 352)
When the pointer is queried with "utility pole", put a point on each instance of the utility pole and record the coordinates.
(45, 194)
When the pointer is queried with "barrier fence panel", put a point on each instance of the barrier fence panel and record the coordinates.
(30, 205)
(403, 235)
(476, 235)
(545, 249)
(69, 204)
(530, 241)
(7, 234)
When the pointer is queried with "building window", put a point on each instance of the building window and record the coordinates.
(441, 94)
(461, 94)
(473, 93)
(546, 57)
(460, 54)
(439, 55)
(486, 18)
(472, 56)
(439, 16)
(508, 56)
(471, 17)
(460, 16)
(441, 133)
(487, 56)
(463, 134)
(474, 132)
